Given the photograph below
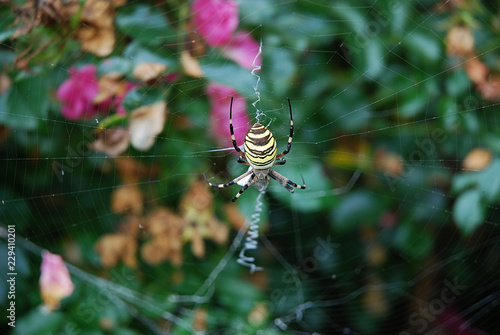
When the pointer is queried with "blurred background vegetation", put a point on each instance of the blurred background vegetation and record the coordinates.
(404, 93)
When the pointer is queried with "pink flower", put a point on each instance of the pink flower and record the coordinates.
(453, 323)
(55, 281)
(215, 20)
(77, 93)
(242, 49)
(220, 100)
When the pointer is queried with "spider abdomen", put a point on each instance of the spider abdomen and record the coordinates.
(260, 147)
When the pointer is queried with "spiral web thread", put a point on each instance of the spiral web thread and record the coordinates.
(256, 86)
(251, 239)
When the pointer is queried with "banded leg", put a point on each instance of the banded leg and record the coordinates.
(250, 182)
(276, 176)
(242, 161)
(280, 161)
(282, 182)
(289, 145)
(235, 145)
(232, 182)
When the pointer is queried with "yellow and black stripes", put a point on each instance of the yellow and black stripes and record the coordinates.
(260, 147)
(260, 154)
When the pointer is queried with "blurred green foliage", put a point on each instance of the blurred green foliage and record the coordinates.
(364, 78)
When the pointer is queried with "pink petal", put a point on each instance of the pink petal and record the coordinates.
(220, 100)
(242, 49)
(78, 91)
(55, 281)
(215, 20)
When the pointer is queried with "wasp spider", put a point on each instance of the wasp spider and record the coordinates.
(260, 155)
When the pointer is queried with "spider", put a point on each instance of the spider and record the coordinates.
(260, 155)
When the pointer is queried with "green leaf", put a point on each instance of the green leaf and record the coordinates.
(257, 11)
(7, 28)
(448, 110)
(115, 64)
(13, 211)
(489, 181)
(413, 104)
(374, 59)
(143, 96)
(471, 123)
(469, 212)
(399, 16)
(463, 181)
(351, 113)
(230, 74)
(146, 24)
(458, 83)
(27, 103)
(139, 53)
(424, 47)
(317, 184)
(352, 15)
(413, 240)
(357, 208)
(7, 57)
(39, 322)
(281, 66)
(493, 142)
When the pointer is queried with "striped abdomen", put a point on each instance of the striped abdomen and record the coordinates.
(260, 147)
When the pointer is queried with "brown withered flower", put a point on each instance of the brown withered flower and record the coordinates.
(196, 209)
(490, 89)
(122, 246)
(460, 41)
(35, 13)
(477, 159)
(146, 71)
(145, 123)
(127, 199)
(111, 141)
(165, 229)
(96, 32)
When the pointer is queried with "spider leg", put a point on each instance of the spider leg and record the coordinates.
(250, 182)
(242, 161)
(232, 182)
(289, 146)
(282, 182)
(280, 161)
(276, 176)
(235, 145)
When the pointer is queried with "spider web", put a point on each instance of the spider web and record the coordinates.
(319, 275)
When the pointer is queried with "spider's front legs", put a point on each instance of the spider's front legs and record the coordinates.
(231, 130)
(280, 161)
(232, 182)
(250, 182)
(242, 160)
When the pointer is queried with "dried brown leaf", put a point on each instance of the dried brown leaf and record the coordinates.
(145, 71)
(113, 248)
(146, 123)
(459, 41)
(477, 159)
(191, 65)
(127, 198)
(111, 141)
